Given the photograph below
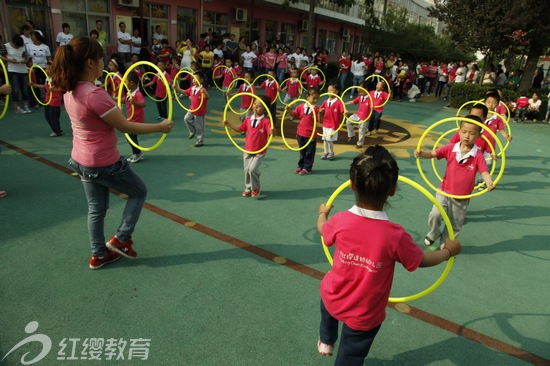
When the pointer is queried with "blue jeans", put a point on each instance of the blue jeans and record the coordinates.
(162, 108)
(343, 78)
(19, 83)
(354, 345)
(280, 75)
(374, 121)
(97, 181)
(357, 81)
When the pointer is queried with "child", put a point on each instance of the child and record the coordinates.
(53, 99)
(246, 101)
(306, 128)
(313, 79)
(293, 88)
(160, 91)
(521, 106)
(271, 89)
(113, 81)
(362, 114)
(463, 161)
(379, 97)
(257, 128)
(354, 291)
(333, 111)
(227, 75)
(194, 119)
(135, 104)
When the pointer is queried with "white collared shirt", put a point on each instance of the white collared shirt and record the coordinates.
(462, 158)
(369, 214)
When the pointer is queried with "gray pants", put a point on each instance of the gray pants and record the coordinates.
(252, 164)
(195, 125)
(362, 128)
(456, 209)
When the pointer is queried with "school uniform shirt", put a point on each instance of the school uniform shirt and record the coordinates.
(160, 92)
(501, 110)
(356, 290)
(139, 112)
(55, 98)
(522, 102)
(228, 76)
(114, 83)
(306, 115)
(345, 65)
(378, 98)
(257, 132)
(493, 123)
(461, 170)
(293, 88)
(313, 80)
(271, 88)
(364, 106)
(246, 100)
(197, 98)
(334, 110)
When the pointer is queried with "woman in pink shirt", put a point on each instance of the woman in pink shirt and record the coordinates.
(356, 290)
(95, 118)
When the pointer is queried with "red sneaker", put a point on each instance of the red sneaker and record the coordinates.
(256, 192)
(98, 262)
(121, 248)
(246, 193)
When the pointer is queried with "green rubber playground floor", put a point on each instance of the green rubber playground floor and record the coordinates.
(226, 280)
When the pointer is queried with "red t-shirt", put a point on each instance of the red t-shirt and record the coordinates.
(55, 98)
(197, 98)
(256, 137)
(160, 92)
(271, 88)
(459, 178)
(228, 76)
(246, 100)
(306, 126)
(364, 106)
(314, 80)
(378, 98)
(345, 65)
(334, 110)
(293, 88)
(139, 112)
(357, 289)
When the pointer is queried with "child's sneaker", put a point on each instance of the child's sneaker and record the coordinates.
(256, 192)
(324, 349)
(98, 262)
(122, 248)
(428, 241)
(324, 157)
(297, 170)
(134, 158)
(330, 156)
(304, 172)
(246, 193)
(27, 109)
(20, 110)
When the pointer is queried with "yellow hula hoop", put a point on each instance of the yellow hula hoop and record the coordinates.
(467, 196)
(371, 105)
(474, 102)
(274, 79)
(454, 130)
(32, 89)
(313, 132)
(133, 106)
(387, 84)
(318, 69)
(505, 120)
(168, 94)
(445, 217)
(175, 81)
(227, 129)
(7, 95)
(112, 76)
(278, 94)
(145, 89)
(214, 79)
(231, 87)
(343, 115)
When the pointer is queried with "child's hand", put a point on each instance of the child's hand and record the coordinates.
(225, 123)
(453, 246)
(417, 153)
(494, 157)
(509, 138)
(324, 209)
(287, 107)
(491, 187)
(166, 126)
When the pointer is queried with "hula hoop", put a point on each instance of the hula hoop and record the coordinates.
(32, 89)
(274, 79)
(214, 79)
(133, 106)
(387, 84)
(168, 94)
(343, 116)
(318, 69)
(278, 94)
(227, 128)
(474, 102)
(7, 95)
(145, 89)
(467, 196)
(174, 82)
(445, 217)
(112, 76)
(493, 166)
(371, 104)
(313, 131)
(231, 87)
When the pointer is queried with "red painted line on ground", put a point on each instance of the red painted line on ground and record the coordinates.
(416, 313)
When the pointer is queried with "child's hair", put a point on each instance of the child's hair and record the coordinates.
(493, 95)
(93, 31)
(482, 107)
(70, 60)
(249, 73)
(475, 118)
(266, 100)
(39, 36)
(65, 25)
(133, 77)
(374, 174)
(523, 93)
(313, 91)
(335, 87)
(199, 76)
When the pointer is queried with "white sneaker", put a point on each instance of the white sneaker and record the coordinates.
(324, 349)
(27, 110)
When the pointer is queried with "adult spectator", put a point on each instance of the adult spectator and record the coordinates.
(14, 53)
(232, 48)
(514, 80)
(460, 73)
(26, 34)
(124, 42)
(345, 66)
(281, 64)
(248, 57)
(218, 50)
(65, 36)
(241, 47)
(489, 77)
(358, 71)
(297, 55)
(31, 24)
(533, 109)
(136, 42)
(207, 60)
(158, 34)
(102, 35)
(473, 74)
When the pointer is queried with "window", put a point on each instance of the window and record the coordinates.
(21, 10)
(271, 30)
(217, 21)
(331, 42)
(322, 40)
(187, 24)
(81, 15)
(154, 14)
(287, 34)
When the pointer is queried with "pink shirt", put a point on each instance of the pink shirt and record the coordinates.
(197, 98)
(94, 141)
(460, 177)
(293, 88)
(282, 61)
(364, 106)
(228, 76)
(494, 123)
(304, 112)
(139, 112)
(271, 88)
(357, 289)
(334, 110)
(270, 59)
(256, 137)
(378, 98)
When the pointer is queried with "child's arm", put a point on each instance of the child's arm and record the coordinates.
(426, 154)
(138, 103)
(231, 126)
(488, 180)
(505, 135)
(451, 249)
(324, 210)
(205, 92)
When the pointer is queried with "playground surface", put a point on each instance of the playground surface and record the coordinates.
(226, 280)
